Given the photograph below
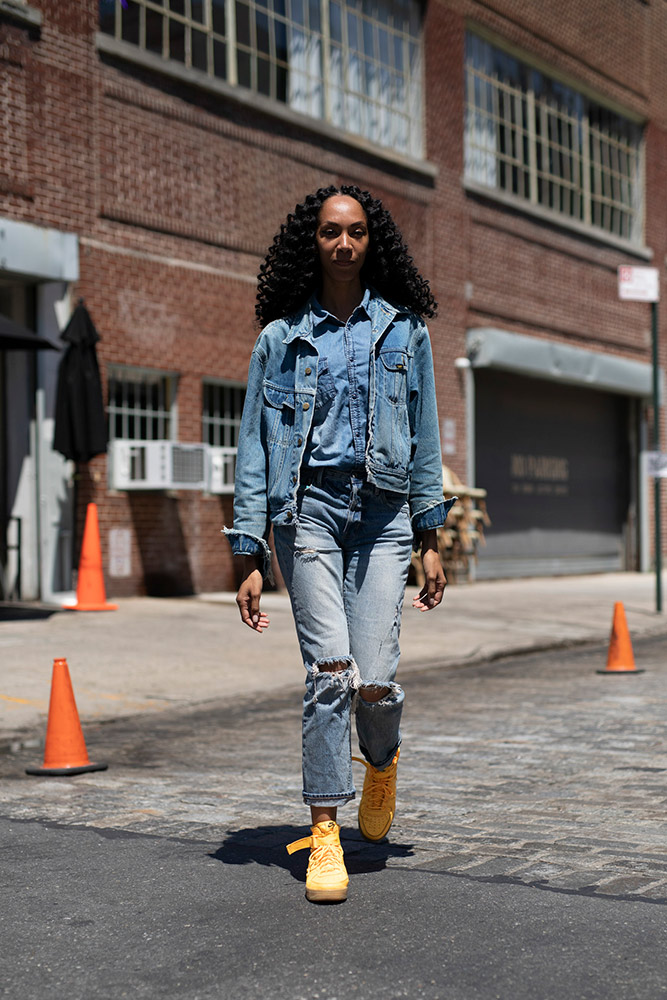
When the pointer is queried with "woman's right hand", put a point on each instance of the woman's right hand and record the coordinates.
(249, 595)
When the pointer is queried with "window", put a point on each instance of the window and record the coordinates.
(221, 414)
(221, 419)
(530, 136)
(142, 404)
(354, 63)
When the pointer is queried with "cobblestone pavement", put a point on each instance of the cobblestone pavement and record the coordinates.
(533, 770)
(160, 654)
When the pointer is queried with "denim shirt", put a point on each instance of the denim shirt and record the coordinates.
(338, 433)
(286, 383)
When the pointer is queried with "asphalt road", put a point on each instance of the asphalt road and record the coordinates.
(528, 860)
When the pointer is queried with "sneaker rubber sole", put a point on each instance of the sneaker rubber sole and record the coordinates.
(327, 895)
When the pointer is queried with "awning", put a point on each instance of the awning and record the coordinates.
(14, 337)
(488, 347)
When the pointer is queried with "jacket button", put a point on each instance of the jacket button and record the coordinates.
(299, 442)
(289, 515)
(308, 371)
(294, 479)
(306, 406)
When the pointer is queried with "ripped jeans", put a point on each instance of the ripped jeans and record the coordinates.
(345, 563)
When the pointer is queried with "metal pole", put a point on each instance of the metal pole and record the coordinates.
(656, 445)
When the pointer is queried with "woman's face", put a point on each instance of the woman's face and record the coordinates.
(342, 238)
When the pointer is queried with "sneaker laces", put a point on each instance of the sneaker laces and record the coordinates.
(381, 785)
(326, 853)
(326, 858)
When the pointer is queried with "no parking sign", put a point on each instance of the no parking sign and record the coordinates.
(638, 284)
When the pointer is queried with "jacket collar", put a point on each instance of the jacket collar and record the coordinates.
(380, 311)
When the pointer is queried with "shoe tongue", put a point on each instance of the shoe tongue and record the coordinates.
(327, 826)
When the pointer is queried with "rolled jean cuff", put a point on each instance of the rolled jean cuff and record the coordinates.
(384, 764)
(328, 801)
(244, 544)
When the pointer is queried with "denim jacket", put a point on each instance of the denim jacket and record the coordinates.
(285, 385)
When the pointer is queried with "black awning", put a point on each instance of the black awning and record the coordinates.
(14, 337)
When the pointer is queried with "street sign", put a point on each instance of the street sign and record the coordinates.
(638, 284)
(656, 464)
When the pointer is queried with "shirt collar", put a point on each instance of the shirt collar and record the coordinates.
(379, 311)
(320, 315)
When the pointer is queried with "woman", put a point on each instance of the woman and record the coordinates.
(339, 451)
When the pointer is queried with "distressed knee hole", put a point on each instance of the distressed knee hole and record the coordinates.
(339, 672)
(333, 665)
(374, 693)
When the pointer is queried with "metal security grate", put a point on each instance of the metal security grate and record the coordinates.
(140, 404)
(221, 413)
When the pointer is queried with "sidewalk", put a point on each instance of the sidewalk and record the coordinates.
(154, 654)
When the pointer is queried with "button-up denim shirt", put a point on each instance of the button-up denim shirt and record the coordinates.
(286, 383)
(339, 429)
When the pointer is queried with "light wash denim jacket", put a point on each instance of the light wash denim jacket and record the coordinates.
(286, 384)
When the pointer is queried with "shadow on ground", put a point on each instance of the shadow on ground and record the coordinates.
(265, 845)
(10, 612)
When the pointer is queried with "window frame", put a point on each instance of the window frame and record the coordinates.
(522, 127)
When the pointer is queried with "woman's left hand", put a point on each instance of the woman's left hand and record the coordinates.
(433, 590)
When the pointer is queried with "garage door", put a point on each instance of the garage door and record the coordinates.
(555, 461)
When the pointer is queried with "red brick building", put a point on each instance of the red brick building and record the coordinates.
(150, 149)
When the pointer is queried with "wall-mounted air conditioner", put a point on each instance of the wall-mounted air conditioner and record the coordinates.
(221, 468)
(156, 465)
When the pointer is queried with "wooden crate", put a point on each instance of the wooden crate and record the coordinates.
(462, 533)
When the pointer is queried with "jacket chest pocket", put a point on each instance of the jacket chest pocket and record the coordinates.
(393, 376)
(278, 412)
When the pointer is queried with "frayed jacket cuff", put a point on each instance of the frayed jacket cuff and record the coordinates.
(244, 544)
(432, 517)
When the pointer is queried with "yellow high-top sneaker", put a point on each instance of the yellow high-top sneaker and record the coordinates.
(378, 799)
(326, 878)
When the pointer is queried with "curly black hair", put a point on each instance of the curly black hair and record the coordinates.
(291, 271)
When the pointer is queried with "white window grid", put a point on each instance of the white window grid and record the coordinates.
(542, 141)
(221, 412)
(142, 404)
(354, 63)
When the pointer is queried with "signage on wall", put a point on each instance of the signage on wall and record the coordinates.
(120, 552)
(539, 475)
(638, 284)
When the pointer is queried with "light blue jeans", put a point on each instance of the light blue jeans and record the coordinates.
(345, 564)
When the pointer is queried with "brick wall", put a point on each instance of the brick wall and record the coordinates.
(176, 193)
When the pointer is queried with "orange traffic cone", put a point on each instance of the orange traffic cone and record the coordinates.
(620, 659)
(65, 748)
(90, 593)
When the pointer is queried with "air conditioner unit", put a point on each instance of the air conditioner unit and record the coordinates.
(156, 465)
(221, 469)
